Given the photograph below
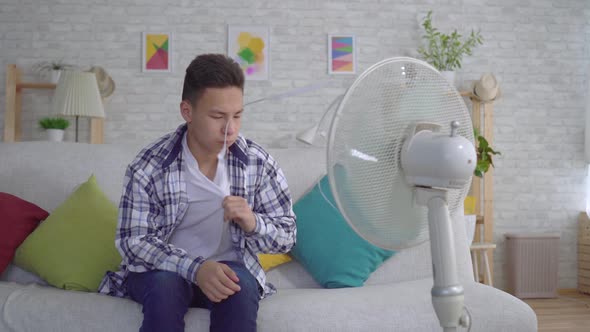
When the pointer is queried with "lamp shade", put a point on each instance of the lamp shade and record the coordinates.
(77, 94)
(308, 135)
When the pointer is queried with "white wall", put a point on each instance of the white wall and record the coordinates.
(538, 49)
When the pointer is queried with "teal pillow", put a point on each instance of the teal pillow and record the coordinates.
(328, 247)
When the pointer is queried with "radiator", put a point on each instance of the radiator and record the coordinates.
(532, 265)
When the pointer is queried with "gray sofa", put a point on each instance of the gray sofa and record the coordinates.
(396, 297)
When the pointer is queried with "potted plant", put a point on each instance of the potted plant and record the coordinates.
(445, 51)
(484, 160)
(51, 68)
(54, 127)
(484, 154)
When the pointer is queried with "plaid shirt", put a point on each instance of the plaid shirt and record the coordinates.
(154, 201)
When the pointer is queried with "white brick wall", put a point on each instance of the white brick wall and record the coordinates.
(538, 49)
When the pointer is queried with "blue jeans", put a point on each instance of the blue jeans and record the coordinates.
(166, 297)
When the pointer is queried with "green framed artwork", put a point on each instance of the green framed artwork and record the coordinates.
(249, 46)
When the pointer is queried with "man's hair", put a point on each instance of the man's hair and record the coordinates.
(210, 71)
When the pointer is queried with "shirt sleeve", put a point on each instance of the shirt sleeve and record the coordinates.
(275, 230)
(138, 237)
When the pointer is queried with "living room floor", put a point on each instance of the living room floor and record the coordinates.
(568, 313)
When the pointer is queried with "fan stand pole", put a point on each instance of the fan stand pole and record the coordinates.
(447, 292)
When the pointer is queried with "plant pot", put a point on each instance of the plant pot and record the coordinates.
(54, 76)
(449, 76)
(470, 220)
(55, 135)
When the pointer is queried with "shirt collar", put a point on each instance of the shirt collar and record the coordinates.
(237, 150)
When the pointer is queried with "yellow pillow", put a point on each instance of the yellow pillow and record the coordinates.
(469, 205)
(268, 261)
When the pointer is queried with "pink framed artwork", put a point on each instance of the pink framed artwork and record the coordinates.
(341, 54)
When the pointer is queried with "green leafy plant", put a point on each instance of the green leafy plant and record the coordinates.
(54, 123)
(445, 51)
(484, 154)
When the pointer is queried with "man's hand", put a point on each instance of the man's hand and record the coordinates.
(236, 208)
(217, 280)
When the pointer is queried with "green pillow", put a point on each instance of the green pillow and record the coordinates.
(75, 246)
(328, 247)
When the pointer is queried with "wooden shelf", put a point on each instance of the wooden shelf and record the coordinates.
(482, 116)
(479, 220)
(482, 246)
(27, 85)
(481, 251)
(12, 116)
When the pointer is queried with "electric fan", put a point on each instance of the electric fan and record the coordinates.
(400, 155)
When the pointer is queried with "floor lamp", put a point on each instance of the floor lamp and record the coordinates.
(77, 95)
(308, 135)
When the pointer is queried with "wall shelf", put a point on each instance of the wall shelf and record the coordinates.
(482, 116)
(12, 115)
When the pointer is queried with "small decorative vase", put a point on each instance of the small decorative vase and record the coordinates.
(450, 76)
(55, 135)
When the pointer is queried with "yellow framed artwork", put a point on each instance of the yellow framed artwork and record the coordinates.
(156, 52)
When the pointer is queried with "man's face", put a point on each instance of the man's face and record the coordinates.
(207, 119)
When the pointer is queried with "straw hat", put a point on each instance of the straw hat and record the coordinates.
(106, 85)
(487, 88)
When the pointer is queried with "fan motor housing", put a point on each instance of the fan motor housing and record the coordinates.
(432, 159)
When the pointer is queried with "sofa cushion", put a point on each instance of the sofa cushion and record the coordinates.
(328, 247)
(22, 174)
(75, 246)
(403, 306)
(18, 218)
(268, 261)
(14, 273)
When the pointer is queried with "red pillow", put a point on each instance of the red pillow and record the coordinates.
(18, 218)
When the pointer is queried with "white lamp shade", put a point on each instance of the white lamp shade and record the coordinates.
(308, 135)
(77, 94)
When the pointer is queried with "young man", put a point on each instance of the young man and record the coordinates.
(193, 216)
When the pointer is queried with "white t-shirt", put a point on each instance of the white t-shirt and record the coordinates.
(202, 231)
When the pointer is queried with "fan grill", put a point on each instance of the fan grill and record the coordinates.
(366, 138)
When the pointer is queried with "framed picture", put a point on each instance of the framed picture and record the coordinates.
(156, 55)
(249, 46)
(341, 54)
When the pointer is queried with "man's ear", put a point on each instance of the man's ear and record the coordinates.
(186, 110)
